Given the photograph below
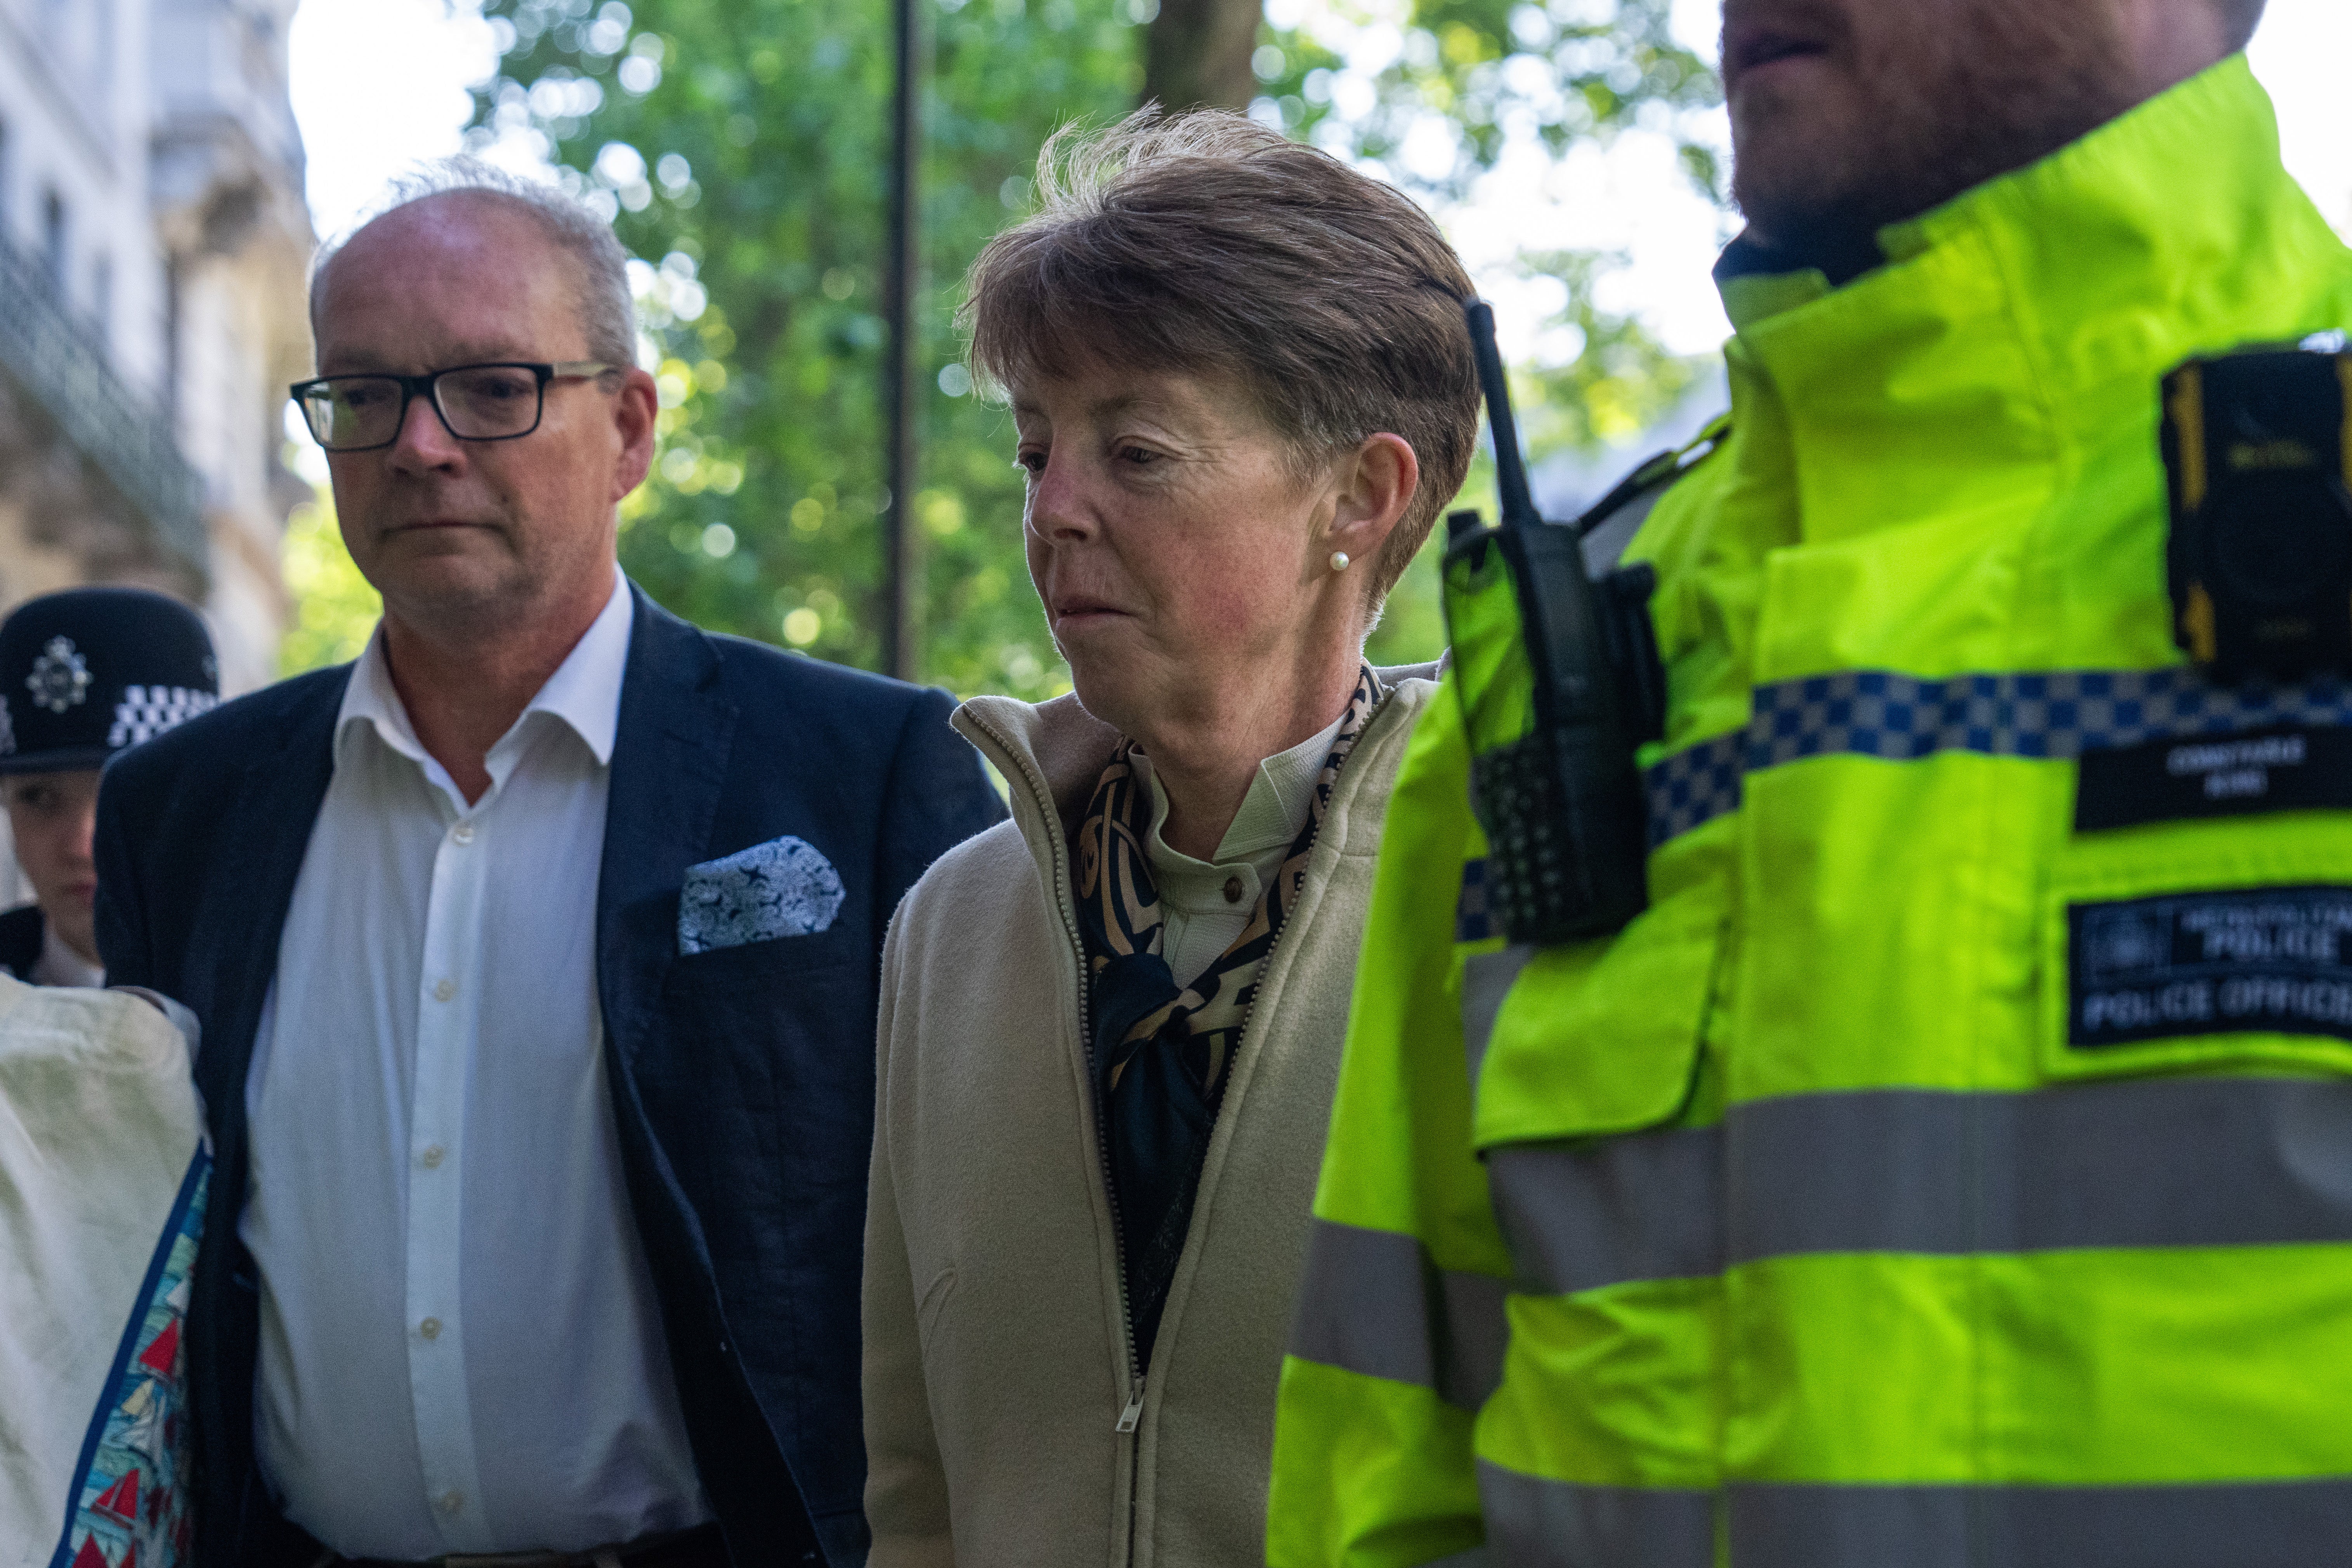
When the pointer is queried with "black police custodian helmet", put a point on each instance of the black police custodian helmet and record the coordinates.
(91, 671)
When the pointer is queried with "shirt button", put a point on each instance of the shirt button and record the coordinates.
(1232, 889)
(451, 1501)
(430, 1327)
(462, 833)
(432, 1157)
(444, 989)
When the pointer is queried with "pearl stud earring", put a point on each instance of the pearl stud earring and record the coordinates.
(1339, 561)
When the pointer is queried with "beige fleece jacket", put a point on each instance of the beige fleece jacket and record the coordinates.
(1005, 1426)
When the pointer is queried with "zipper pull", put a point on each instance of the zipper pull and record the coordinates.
(1134, 1411)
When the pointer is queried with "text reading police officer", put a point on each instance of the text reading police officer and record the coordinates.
(1943, 1156)
(84, 674)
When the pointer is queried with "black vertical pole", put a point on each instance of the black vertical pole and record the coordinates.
(902, 618)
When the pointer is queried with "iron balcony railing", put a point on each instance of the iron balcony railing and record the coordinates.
(63, 365)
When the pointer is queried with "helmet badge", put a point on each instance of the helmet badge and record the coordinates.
(61, 676)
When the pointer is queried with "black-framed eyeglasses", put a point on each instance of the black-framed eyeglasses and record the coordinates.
(475, 402)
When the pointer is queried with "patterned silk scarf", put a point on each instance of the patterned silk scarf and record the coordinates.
(1160, 1052)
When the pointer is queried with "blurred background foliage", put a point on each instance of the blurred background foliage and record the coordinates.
(334, 608)
(741, 148)
(1481, 73)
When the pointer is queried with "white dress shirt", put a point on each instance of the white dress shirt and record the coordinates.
(1205, 904)
(461, 1350)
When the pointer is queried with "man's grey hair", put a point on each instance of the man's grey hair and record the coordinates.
(608, 315)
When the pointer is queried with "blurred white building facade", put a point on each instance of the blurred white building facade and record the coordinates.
(152, 247)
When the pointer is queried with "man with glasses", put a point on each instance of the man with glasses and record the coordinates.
(536, 954)
(476, 401)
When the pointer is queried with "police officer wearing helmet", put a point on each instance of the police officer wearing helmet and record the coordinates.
(84, 674)
(1944, 1154)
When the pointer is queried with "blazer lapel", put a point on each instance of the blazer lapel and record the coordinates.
(232, 957)
(670, 764)
(240, 916)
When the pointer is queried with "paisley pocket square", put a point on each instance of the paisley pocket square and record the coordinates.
(783, 888)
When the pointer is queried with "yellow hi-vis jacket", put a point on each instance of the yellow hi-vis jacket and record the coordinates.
(1923, 1181)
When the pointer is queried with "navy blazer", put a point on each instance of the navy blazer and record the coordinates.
(743, 1080)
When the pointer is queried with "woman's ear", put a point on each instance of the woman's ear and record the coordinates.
(1375, 487)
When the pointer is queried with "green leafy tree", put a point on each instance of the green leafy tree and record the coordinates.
(1202, 51)
(1490, 71)
(742, 147)
(334, 608)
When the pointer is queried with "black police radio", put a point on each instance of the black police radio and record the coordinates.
(2258, 446)
(1561, 681)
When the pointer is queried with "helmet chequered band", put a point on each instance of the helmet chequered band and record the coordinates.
(146, 712)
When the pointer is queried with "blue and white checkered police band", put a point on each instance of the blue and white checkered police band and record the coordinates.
(2056, 715)
(88, 672)
(1474, 920)
(2046, 715)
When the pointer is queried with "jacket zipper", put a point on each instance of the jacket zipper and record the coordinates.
(1131, 1415)
(1133, 1412)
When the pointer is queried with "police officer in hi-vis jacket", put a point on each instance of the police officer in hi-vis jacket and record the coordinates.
(1938, 1152)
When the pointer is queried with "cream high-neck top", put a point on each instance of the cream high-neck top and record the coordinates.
(1205, 904)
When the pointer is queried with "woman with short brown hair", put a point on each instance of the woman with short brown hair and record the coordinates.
(1112, 1027)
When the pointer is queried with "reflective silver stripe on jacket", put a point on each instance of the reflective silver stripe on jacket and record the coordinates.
(1579, 1217)
(1534, 1523)
(1476, 1557)
(2245, 1524)
(1487, 979)
(2165, 1162)
(2042, 715)
(1537, 1523)
(1373, 1302)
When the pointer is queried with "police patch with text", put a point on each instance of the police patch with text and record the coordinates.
(2292, 769)
(2264, 960)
